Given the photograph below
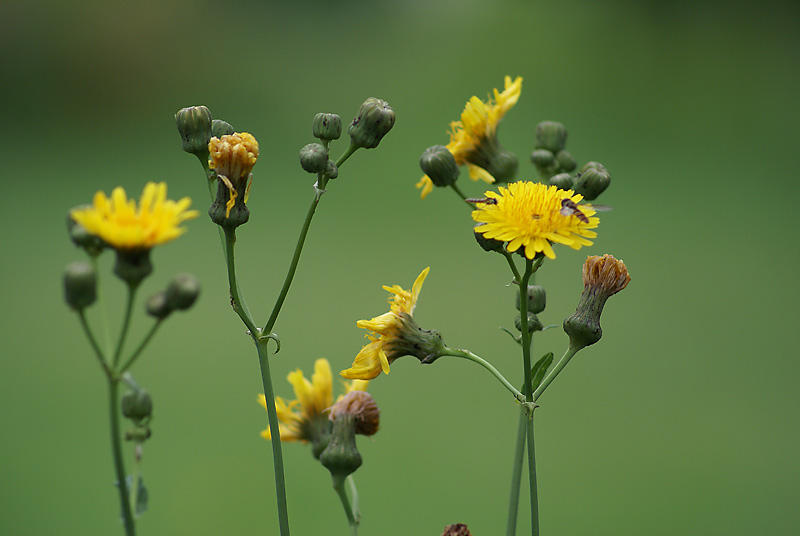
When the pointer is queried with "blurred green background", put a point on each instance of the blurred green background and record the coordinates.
(682, 420)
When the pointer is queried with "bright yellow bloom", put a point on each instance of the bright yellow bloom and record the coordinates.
(305, 417)
(233, 156)
(123, 226)
(476, 134)
(532, 215)
(388, 333)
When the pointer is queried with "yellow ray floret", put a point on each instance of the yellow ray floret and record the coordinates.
(123, 225)
(530, 215)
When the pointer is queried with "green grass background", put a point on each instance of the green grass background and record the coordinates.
(682, 420)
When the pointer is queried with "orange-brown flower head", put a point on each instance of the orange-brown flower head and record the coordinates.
(232, 157)
(362, 406)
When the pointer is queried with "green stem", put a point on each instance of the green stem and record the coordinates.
(532, 478)
(347, 154)
(338, 485)
(141, 347)
(272, 416)
(351, 483)
(135, 479)
(516, 474)
(511, 264)
(553, 373)
(466, 354)
(126, 322)
(99, 353)
(236, 299)
(457, 190)
(103, 312)
(295, 260)
(116, 449)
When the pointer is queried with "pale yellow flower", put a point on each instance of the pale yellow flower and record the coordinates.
(233, 156)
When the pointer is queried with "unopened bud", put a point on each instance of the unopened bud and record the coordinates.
(551, 136)
(327, 126)
(137, 405)
(331, 171)
(537, 299)
(182, 292)
(156, 306)
(562, 181)
(534, 324)
(194, 126)
(565, 161)
(542, 158)
(80, 285)
(314, 158)
(92, 244)
(439, 164)
(221, 128)
(592, 180)
(341, 457)
(502, 165)
(374, 120)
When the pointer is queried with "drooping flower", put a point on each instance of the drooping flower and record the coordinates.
(534, 216)
(395, 334)
(305, 419)
(123, 226)
(473, 139)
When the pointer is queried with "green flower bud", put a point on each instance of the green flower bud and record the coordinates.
(533, 323)
(314, 158)
(602, 278)
(537, 299)
(80, 285)
(592, 180)
(439, 164)
(220, 128)
(488, 244)
(502, 165)
(156, 306)
(331, 171)
(194, 126)
(565, 161)
(327, 126)
(341, 457)
(563, 181)
(93, 245)
(542, 158)
(551, 135)
(133, 265)
(374, 120)
(137, 405)
(182, 292)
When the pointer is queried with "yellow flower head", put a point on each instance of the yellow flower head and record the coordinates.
(533, 216)
(123, 226)
(393, 335)
(304, 419)
(473, 140)
(233, 156)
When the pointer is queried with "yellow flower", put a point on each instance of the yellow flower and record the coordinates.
(393, 335)
(533, 216)
(304, 419)
(123, 226)
(233, 156)
(473, 139)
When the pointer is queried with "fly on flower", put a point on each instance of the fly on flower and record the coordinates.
(570, 208)
(484, 200)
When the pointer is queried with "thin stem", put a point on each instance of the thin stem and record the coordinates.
(512, 265)
(351, 483)
(116, 449)
(137, 460)
(272, 416)
(236, 300)
(532, 479)
(141, 347)
(457, 190)
(103, 313)
(516, 474)
(338, 485)
(93, 342)
(126, 322)
(347, 154)
(527, 389)
(295, 259)
(571, 351)
(466, 354)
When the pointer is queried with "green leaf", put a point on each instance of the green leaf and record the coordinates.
(539, 370)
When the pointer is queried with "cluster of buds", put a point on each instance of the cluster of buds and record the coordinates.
(537, 301)
(180, 295)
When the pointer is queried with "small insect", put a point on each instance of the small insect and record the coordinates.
(570, 208)
(484, 200)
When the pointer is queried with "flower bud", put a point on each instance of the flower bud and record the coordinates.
(542, 158)
(93, 245)
(374, 120)
(156, 306)
(362, 406)
(80, 285)
(194, 126)
(137, 405)
(327, 126)
(592, 180)
(314, 158)
(602, 278)
(341, 457)
(551, 136)
(537, 299)
(221, 128)
(565, 160)
(534, 324)
(331, 171)
(182, 292)
(133, 265)
(439, 164)
(502, 165)
(562, 181)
